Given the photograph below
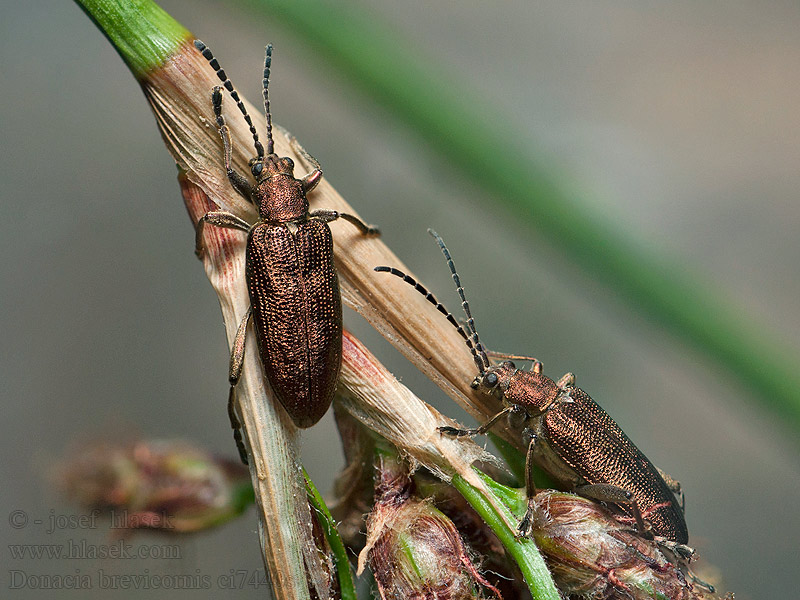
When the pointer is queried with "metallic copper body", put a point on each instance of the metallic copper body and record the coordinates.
(297, 314)
(592, 446)
(567, 434)
(294, 291)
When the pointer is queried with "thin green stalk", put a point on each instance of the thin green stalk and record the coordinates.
(451, 120)
(523, 551)
(347, 587)
(139, 30)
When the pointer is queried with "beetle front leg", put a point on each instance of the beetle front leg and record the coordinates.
(454, 431)
(536, 364)
(220, 218)
(239, 182)
(326, 216)
(565, 384)
(311, 180)
(234, 374)
(567, 381)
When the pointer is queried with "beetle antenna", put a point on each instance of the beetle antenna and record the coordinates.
(439, 306)
(464, 304)
(206, 52)
(267, 65)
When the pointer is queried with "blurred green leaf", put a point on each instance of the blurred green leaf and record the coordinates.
(453, 121)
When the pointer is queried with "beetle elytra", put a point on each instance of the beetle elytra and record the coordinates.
(296, 307)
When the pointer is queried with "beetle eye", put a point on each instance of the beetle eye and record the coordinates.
(257, 168)
(289, 162)
(490, 380)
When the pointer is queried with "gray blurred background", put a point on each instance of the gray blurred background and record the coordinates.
(678, 121)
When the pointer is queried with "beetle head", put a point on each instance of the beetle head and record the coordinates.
(268, 166)
(495, 380)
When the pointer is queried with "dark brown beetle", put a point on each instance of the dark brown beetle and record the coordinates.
(568, 435)
(294, 290)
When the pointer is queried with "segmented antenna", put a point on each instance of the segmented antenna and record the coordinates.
(267, 65)
(216, 106)
(464, 304)
(206, 52)
(439, 306)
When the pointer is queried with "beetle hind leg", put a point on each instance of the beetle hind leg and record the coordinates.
(616, 495)
(236, 425)
(682, 554)
(234, 374)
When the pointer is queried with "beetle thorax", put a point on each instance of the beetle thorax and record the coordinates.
(534, 391)
(281, 198)
(277, 194)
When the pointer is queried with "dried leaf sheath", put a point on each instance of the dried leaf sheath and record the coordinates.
(179, 93)
(272, 437)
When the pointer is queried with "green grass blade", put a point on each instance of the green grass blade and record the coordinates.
(524, 552)
(143, 34)
(347, 587)
(453, 121)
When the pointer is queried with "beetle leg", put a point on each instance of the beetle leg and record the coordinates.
(697, 581)
(565, 384)
(234, 373)
(239, 182)
(220, 218)
(682, 554)
(524, 528)
(236, 425)
(536, 365)
(311, 180)
(615, 495)
(675, 487)
(681, 551)
(567, 381)
(326, 216)
(454, 431)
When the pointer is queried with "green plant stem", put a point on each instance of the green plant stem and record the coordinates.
(139, 30)
(523, 551)
(452, 120)
(347, 587)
